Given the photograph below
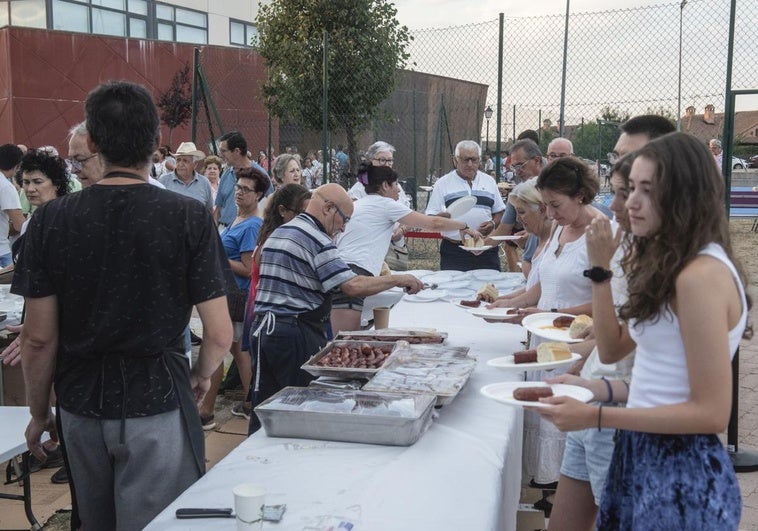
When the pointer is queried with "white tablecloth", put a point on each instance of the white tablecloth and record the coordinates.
(13, 421)
(464, 473)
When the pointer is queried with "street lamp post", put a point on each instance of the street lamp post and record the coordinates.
(488, 115)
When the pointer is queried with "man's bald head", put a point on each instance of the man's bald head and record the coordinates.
(331, 205)
(559, 147)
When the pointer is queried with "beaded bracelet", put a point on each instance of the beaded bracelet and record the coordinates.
(610, 389)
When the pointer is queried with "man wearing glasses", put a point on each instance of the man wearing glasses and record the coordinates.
(300, 268)
(466, 180)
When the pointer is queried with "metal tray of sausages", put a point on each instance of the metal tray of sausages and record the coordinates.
(395, 419)
(345, 372)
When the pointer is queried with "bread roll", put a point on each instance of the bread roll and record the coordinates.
(385, 270)
(552, 351)
(579, 325)
(479, 242)
(487, 293)
(468, 241)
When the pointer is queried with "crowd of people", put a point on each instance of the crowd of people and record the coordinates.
(123, 239)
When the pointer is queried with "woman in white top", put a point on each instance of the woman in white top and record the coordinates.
(366, 237)
(686, 314)
(568, 187)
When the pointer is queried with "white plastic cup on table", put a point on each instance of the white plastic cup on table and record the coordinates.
(248, 506)
(381, 317)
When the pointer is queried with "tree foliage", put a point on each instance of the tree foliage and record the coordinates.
(367, 46)
(176, 103)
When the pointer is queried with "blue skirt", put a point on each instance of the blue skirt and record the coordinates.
(670, 482)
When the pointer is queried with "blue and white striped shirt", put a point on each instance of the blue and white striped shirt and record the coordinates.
(299, 266)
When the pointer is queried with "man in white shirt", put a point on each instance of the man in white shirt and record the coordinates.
(11, 217)
(467, 180)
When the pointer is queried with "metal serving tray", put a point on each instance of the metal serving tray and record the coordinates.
(443, 377)
(344, 373)
(411, 335)
(394, 419)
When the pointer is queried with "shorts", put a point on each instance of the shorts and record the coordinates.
(587, 456)
(342, 301)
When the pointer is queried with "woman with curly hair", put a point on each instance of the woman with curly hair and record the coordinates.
(686, 313)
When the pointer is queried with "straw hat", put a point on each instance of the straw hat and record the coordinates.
(189, 149)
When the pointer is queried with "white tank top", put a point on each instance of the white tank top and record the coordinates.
(660, 376)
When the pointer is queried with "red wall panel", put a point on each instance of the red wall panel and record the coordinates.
(45, 77)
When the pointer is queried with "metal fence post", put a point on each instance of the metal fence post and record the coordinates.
(326, 156)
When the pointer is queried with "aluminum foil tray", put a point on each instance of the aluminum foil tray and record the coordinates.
(394, 419)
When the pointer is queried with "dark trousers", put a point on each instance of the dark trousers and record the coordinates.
(453, 258)
(282, 353)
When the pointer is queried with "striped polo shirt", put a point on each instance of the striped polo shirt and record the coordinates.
(299, 265)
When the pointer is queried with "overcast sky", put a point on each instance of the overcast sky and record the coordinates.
(418, 14)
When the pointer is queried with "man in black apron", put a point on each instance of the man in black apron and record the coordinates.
(300, 267)
(109, 279)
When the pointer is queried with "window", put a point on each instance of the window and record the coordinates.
(242, 33)
(4, 13)
(103, 17)
(28, 13)
(180, 24)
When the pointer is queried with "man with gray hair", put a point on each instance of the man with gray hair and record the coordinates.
(559, 147)
(467, 181)
(715, 146)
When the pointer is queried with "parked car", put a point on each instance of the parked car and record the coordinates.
(753, 162)
(738, 163)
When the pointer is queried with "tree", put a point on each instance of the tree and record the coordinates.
(367, 47)
(176, 103)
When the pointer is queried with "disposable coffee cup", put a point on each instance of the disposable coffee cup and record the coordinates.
(248, 506)
(381, 317)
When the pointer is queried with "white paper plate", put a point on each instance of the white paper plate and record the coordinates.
(494, 314)
(472, 249)
(503, 392)
(505, 238)
(541, 324)
(426, 295)
(460, 206)
(454, 284)
(466, 294)
(506, 363)
(457, 302)
(485, 274)
(440, 277)
(418, 273)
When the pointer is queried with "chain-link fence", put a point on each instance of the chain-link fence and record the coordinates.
(619, 63)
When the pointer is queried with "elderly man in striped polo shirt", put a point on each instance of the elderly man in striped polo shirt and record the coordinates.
(300, 267)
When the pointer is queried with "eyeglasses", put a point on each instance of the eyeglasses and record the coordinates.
(384, 162)
(328, 201)
(552, 156)
(77, 164)
(345, 218)
(243, 189)
(469, 160)
(518, 167)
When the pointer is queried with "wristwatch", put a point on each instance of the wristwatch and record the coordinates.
(598, 274)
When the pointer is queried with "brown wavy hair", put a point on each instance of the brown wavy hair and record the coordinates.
(569, 176)
(688, 195)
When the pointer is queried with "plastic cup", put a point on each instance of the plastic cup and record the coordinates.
(248, 506)
(381, 317)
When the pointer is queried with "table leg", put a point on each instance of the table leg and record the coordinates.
(28, 492)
